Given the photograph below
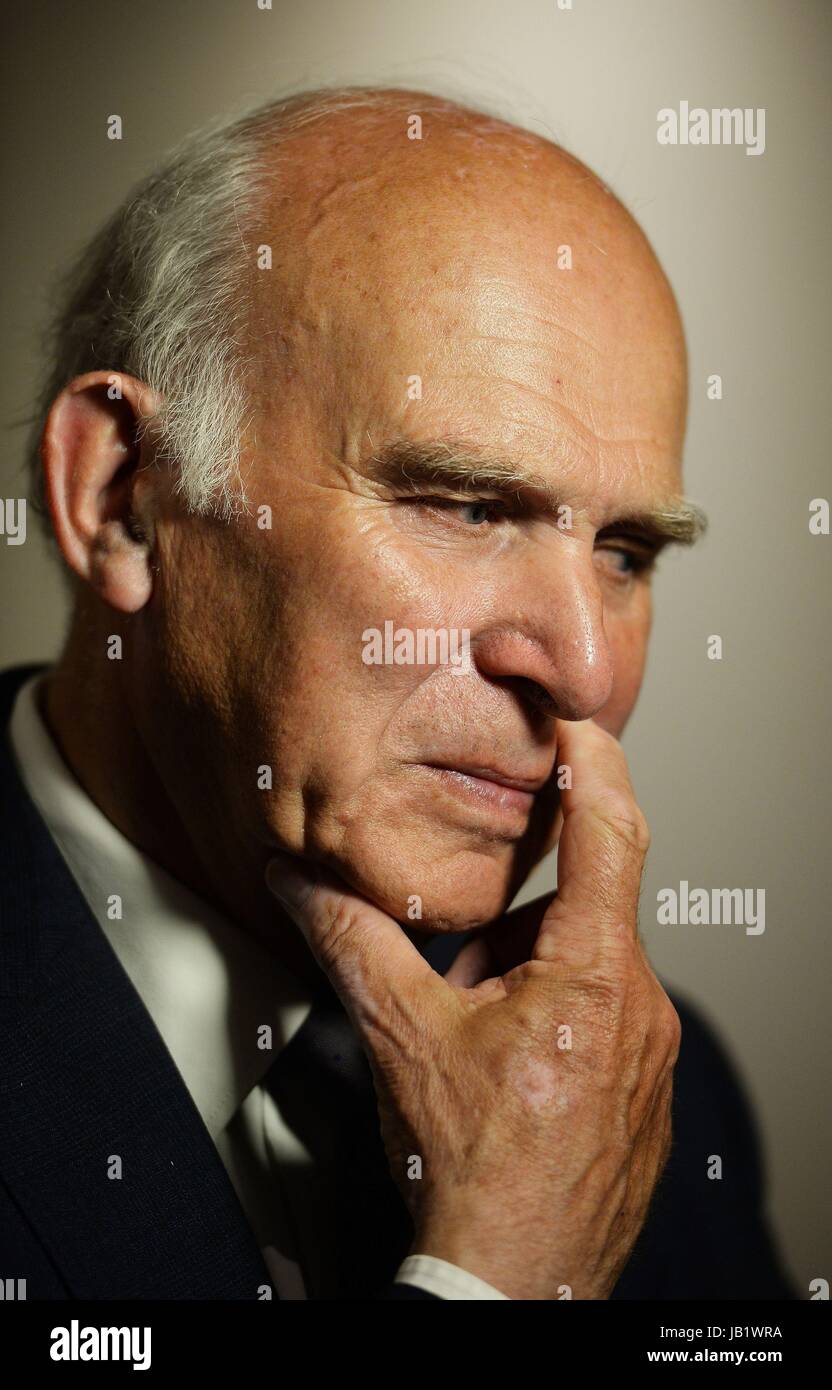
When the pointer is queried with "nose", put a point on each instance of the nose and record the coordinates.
(550, 644)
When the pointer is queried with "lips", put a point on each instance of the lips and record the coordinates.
(531, 783)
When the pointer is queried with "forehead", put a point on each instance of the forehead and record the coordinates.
(481, 283)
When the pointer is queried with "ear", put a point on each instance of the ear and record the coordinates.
(91, 459)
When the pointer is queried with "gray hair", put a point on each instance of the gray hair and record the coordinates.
(160, 293)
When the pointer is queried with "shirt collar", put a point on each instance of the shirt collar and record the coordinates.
(209, 986)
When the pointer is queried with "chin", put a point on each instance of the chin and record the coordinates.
(436, 892)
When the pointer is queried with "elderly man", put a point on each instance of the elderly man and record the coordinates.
(365, 362)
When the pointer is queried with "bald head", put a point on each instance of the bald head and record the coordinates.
(474, 253)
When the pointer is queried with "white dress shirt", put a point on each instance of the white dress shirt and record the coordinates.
(209, 988)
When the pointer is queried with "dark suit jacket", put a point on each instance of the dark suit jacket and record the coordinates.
(85, 1074)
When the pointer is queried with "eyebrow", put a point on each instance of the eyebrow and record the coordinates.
(462, 467)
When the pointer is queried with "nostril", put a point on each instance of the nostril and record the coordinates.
(535, 695)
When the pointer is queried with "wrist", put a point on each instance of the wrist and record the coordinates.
(491, 1261)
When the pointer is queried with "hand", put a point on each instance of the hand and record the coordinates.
(540, 1148)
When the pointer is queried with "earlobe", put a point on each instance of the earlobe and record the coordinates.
(91, 454)
(119, 569)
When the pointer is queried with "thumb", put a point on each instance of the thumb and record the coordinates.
(365, 954)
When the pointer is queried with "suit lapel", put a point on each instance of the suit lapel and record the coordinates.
(88, 1089)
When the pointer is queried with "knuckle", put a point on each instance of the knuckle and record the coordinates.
(633, 829)
(669, 1026)
(339, 917)
(623, 816)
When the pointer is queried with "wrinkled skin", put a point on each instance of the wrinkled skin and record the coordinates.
(243, 647)
(540, 1148)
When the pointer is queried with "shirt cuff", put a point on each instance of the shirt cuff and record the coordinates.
(445, 1280)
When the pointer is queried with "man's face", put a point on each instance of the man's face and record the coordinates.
(447, 272)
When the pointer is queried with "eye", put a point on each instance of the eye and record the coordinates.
(477, 512)
(625, 562)
(624, 559)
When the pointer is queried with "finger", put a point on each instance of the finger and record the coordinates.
(366, 956)
(602, 846)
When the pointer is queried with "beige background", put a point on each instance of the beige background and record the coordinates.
(730, 758)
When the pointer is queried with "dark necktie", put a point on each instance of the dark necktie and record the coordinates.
(322, 1084)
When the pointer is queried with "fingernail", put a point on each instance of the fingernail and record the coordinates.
(287, 882)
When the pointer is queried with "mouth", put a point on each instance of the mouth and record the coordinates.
(498, 791)
(529, 784)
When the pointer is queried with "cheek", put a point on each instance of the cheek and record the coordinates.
(628, 644)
